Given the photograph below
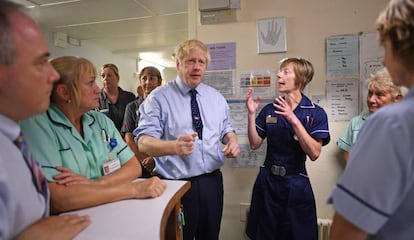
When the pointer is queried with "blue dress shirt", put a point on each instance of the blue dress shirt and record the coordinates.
(166, 114)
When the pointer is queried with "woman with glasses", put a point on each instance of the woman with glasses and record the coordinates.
(113, 99)
(150, 78)
(283, 204)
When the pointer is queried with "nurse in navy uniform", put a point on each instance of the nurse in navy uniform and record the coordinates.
(283, 204)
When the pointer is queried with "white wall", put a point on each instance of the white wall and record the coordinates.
(127, 66)
(98, 56)
(308, 24)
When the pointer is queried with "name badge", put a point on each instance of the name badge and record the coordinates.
(270, 119)
(111, 166)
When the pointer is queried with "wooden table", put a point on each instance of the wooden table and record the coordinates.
(147, 219)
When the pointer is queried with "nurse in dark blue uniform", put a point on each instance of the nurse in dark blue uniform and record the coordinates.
(283, 204)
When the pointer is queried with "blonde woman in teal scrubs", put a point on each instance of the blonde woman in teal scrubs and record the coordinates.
(82, 154)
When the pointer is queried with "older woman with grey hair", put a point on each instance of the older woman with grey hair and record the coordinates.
(381, 92)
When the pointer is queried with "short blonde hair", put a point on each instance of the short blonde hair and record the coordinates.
(302, 68)
(185, 47)
(396, 24)
(71, 69)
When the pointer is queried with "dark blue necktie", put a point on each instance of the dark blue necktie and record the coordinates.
(195, 113)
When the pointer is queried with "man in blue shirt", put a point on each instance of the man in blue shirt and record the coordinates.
(188, 145)
(26, 80)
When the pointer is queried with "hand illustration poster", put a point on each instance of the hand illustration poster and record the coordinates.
(271, 35)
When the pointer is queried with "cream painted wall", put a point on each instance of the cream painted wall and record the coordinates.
(308, 24)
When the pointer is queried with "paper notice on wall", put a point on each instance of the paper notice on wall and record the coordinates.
(342, 98)
(250, 158)
(223, 81)
(342, 57)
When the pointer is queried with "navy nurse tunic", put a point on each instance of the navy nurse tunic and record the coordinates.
(283, 204)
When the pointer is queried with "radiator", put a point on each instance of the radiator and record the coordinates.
(324, 227)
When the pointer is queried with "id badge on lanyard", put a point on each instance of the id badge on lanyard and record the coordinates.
(112, 164)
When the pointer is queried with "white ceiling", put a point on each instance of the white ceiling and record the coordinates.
(135, 28)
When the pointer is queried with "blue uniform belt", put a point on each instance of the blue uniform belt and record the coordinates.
(279, 170)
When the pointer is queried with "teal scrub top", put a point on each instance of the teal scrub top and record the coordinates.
(350, 134)
(54, 141)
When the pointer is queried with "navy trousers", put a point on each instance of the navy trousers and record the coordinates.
(203, 207)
